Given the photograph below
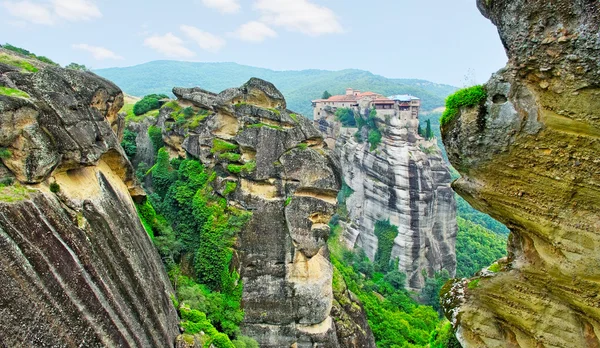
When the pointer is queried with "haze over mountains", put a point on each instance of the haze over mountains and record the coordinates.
(299, 87)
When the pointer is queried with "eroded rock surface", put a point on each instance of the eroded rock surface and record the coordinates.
(529, 158)
(76, 267)
(284, 175)
(406, 181)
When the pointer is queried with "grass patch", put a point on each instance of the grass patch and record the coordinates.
(302, 146)
(473, 284)
(131, 117)
(246, 168)
(17, 62)
(12, 92)
(220, 146)
(494, 268)
(294, 117)
(288, 201)
(466, 97)
(5, 153)
(275, 111)
(231, 157)
(14, 193)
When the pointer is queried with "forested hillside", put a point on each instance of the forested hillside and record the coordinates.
(298, 87)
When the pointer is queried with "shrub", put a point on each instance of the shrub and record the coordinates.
(28, 54)
(230, 156)
(148, 103)
(237, 169)
(229, 188)
(374, 138)
(75, 66)
(346, 117)
(129, 143)
(386, 234)
(5, 153)
(54, 187)
(466, 97)
(155, 134)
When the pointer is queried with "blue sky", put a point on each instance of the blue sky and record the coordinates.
(437, 40)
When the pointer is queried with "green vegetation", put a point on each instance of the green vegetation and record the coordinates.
(220, 146)
(28, 54)
(386, 233)
(155, 134)
(246, 168)
(430, 294)
(494, 268)
(192, 226)
(148, 103)
(54, 187)
(443, 337)
(186, 118)
(275, 111)
(302, 146)
(79, 67)
(476, 248)
(288, 201)
(298, 87)
(294, 117)
(129, 143)
(374, 135)
(17, 62)
(229, 188)
(374, 138)
(473, 284)
(466, 97)
(5, 153)
(346, 117)
(14, 193)
(230, 157)
(326, 95)
(12, 92)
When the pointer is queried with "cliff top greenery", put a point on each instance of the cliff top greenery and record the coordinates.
(26, 53)
(466, 97)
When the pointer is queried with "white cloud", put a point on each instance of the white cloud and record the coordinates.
(254, 32)
(206, 41)
(76, 10)
(99, 53)
(224, 6)
(169, 45)
(49, 13)
(299, 15)
(29, 11)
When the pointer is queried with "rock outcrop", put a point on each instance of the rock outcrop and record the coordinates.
(76, 267)
(406, 181)
(275, 164)
(529, 158)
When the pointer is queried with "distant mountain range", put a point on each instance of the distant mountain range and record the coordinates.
(299, 87)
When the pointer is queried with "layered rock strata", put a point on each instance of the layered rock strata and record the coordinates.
(283, 173)
(76, 266)
(406, 181)
(529, 157)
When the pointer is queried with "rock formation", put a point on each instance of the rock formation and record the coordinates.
(76, 267)
(406, 181)
(529, 157)
(282, 172)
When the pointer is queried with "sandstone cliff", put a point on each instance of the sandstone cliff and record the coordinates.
(406, 181)
(76, 267)
(529, 157)
(275, 164)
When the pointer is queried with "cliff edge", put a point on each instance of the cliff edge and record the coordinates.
(76, 267)
(528, 154)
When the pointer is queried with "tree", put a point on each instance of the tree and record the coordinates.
(346, 117)
(420, 130)
(431, 291)
(326, 95)
(75, 66)
(428, 131)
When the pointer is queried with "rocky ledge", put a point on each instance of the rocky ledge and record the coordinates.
(76, 267)
(529, 157)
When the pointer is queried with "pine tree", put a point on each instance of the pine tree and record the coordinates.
(428, 132)
(326, 95)
(420, 130)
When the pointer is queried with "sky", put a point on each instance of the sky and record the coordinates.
(437, 40)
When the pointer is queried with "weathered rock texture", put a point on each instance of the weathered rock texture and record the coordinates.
(406, 181)
(76, 267)
(289, 184)
(529, 157)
